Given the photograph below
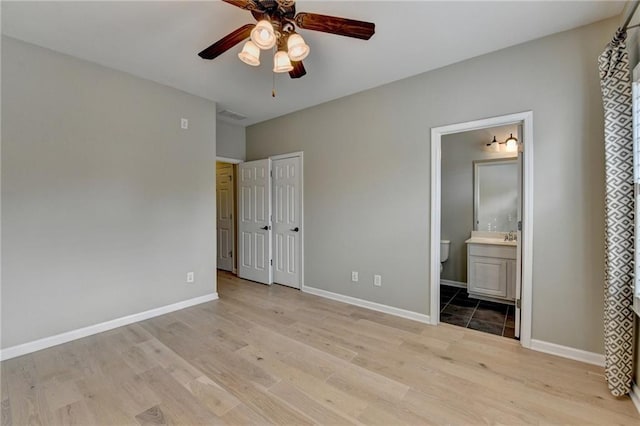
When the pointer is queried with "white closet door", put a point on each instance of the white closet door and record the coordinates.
(224, 216)
(287, 223)
(254, 221)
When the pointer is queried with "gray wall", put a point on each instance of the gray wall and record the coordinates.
(230, 141)
(459, 151)
(367, 178)
(106, 202)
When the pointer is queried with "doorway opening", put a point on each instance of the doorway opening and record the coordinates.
(226, 208)
(481, 223)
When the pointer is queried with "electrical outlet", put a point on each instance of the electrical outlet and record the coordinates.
(190, 277)
(377, 280)
(354, 276)
(184, 123)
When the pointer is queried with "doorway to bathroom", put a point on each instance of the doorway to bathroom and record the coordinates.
(481, 227)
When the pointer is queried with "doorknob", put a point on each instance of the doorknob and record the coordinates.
(296, 229)
(266, 228)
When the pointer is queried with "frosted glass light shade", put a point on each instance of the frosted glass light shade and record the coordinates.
(512, 144)
(298, 49)
(250, 54)
(263, 35)
(281, 62)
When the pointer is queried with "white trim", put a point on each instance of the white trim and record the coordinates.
(287, 155)
(79, 333)
(567, 352)
(453, 283)
(302, 228)
(526, 118)
(635, 395)
(369, 305)
(229, 160)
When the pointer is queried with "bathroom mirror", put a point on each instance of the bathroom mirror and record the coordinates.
(495, 193)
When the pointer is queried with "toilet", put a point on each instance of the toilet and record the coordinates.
(444, 252)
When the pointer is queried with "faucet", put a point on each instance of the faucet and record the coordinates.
(511, 236)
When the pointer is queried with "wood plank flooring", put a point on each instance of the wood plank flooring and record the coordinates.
(274, 355)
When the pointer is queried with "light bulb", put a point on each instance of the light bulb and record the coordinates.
(250, 54)
(512, 144)
(298, 49)
(281, 62)
(263, 35)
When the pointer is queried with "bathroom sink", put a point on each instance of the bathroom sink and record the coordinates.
(492, 241)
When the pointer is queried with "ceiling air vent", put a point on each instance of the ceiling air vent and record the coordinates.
(231, 115)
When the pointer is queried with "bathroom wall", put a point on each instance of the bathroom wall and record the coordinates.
(459, 151)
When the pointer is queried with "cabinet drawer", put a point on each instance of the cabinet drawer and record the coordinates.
(486, 250)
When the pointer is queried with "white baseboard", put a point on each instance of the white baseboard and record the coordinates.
(451, 283)
(369, 305)
(79, 333)
(567, 352)
(635, 395)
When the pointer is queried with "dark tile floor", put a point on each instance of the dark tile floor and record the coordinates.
(457, 308)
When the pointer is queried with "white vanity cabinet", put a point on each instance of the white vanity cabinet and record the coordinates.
(491, 270)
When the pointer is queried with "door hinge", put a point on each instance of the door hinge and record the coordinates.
(230, 178)
(519, 225)
(271, 262)
(230, 254)
(518, 303)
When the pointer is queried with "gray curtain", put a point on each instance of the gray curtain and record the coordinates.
(615, 83)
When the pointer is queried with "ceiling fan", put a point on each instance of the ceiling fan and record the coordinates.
(276, 27)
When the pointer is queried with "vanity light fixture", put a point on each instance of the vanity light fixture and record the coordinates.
(511, 143)
(494, 145)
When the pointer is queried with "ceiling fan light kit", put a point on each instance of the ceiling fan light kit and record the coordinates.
(281, 62)
(277, 22)
(263, 35)
(250, 54)
(297, 48)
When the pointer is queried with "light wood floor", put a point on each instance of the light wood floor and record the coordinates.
(273, 355)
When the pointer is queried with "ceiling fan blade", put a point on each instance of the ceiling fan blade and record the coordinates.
(334, 25)
(242, 4)
(227, 42)
(298, 69)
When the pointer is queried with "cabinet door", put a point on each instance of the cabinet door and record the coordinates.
(488, 276)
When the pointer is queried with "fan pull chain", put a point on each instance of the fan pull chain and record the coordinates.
(273, 88)
(273, 74)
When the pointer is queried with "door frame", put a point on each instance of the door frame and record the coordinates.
(299, 154)
(234, 162)
(526, 119)
(234, 250)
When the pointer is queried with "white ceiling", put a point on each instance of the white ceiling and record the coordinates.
(160, 41)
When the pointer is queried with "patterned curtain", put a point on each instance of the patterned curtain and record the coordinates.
(615, 83)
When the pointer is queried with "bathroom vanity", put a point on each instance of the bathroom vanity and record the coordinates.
(491, 266)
